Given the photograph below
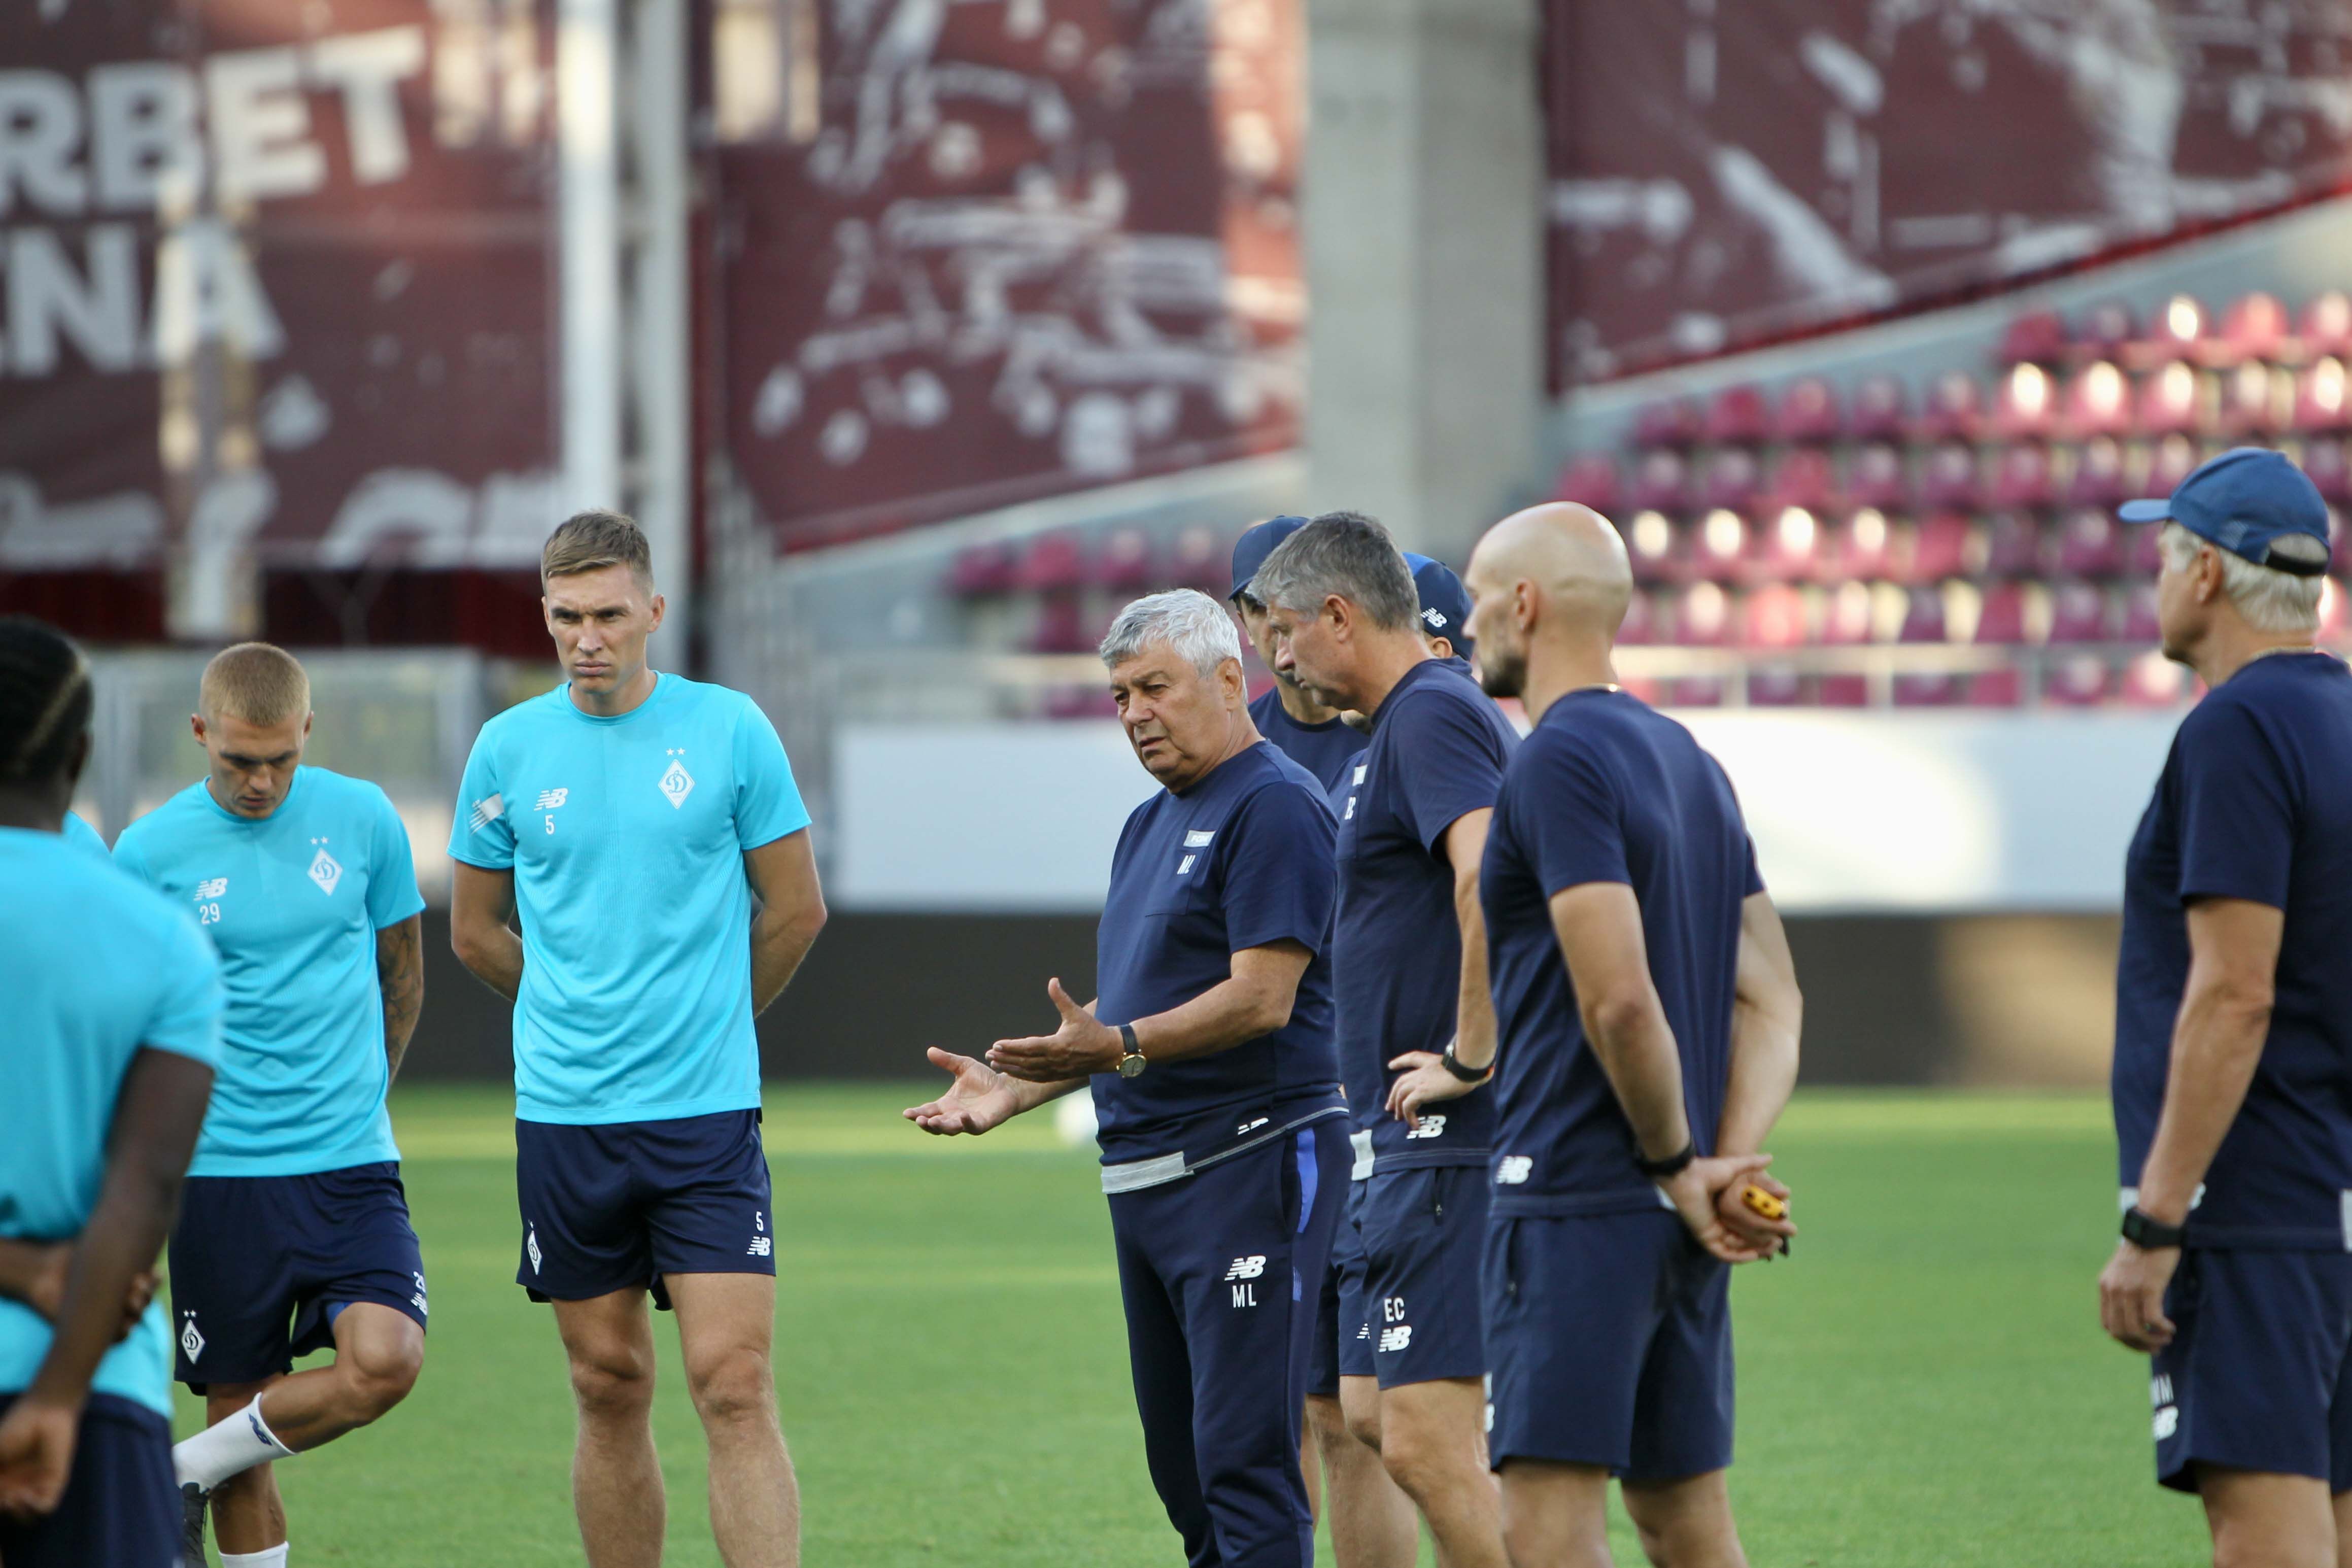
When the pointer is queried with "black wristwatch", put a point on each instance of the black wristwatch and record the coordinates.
(1454, 1064)
(2143, 1229)
(1131, 1060)
(1673, 1164)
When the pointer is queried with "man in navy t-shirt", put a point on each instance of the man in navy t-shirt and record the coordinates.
(1409, 960)
(2233, 1027)
(1312, 735)
(1647, 1016)
(1210, 1051)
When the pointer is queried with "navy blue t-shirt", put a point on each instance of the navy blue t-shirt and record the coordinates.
(2254, 803)
(1324, 749)
(1240, 859)
(1438, 750)
(1606, 790)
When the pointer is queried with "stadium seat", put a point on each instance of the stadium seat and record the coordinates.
(983, 570)
(1732, 479)
(2171, 398)
(1790, 546)
(2143, 554)
(2254, 327)
(2152, 680)
(1650, 545)
(1842, 691)
(2078, 613)
(1696, 691)
(1926, 691)
(2325, 327)
(1801, 476)
(1202, 559)
(1125, 564)
(2079, 680)
(2099, 479)
(1640, 626)
(2037, 336)
(1947, 478)
(1879, 411)
(1052, 560)
(1590, 479)
(1996, 688)
(1772, 687)
(2000, 618)
(1079, 701)
(2099, 401)
(2319, 401)
(1739, 416)
(2140, 623)
(1669, 422)
(1661, 481)
(2025, 405)
(1923, 617)
(2178, 331)
(1061, 626)
(1703, 616)
(1847, 618)
(1863, 543)
(2257, 400)
(1775, 617)
(2105, 330)
(1876, 476)
(2324, 462)
(1941, 548)
(1718, 546)
(2013, 545)
(2090, 544)
(2021, 477)
(2172, 460)
(1808, 412)
(1954, 409)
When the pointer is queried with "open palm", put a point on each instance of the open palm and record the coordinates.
(981, 1097)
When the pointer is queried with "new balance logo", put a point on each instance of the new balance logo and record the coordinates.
(1513, 1169)
(486, 810)
(1436, 619)
(215, 888)
(1249, 1127)
(2160, 1391)
(1396, 1339)
(417, 1300)
(1249, 1268)
(549, 799)
(761, 1247)
(1430, 1127)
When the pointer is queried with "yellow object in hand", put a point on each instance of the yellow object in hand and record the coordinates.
(1762, 1202)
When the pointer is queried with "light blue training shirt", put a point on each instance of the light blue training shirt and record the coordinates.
(83, 836)
(93, 967)
(626, 837)
(293, 901)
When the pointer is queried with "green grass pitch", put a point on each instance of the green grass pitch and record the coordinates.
(1924, 1383)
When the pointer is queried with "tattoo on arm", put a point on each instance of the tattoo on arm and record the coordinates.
(400, 972)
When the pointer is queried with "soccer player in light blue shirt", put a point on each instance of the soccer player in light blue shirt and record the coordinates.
(84, 837)
(647, 830)
(294, 1233)
(114, 1011)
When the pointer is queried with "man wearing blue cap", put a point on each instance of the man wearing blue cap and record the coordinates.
(2232, 1081)
(1309, 733)
(1444, 610)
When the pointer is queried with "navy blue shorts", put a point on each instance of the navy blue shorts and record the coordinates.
(2259, 1373)
(121, 1506)
(621, 1205)
(1343, 1329)
(1220, 1271)
(262, 1265)
(1611, 1338)
(1424, 1241)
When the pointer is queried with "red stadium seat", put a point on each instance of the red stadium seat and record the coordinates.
(1941, 548)
(2090, 544)
(1773, 686)
(1848, 617)
(1739, 416)
(2012, 543)
(1590, 479)
(2105, 330)
(1876, 476)
(1718, 545)
(1669, 422)
(2173, 460)
(2254, 327)
(1775, 617)
(1792, 545)
(1079, 701)
(1661, 482)
(1061, 626)
(1126, 563)
(2324, 462)
(2257, 400)
(2001, 617)
(2025, 403)
(2152, 680)
(1949, 478)
(2327, 324)
(1996, 688)
(1864, 544)
(1880, 410)
(2171, 398)
(1808, 411)
(1650, 543)
(983, 570)
(2177, 332)
(1696, 691)
(2078, 680)
(1202, 559)
(2140, 622)
(2098, 400)
(1703, 616)
(1052, 561)
(1926, 690)
(1842, 691)
(2037, 336)
(1954, 410)
(1732, 479)
(2021, 477)
(2099, 479)
(2320, 404)
(2143, 554)
(1803, 476)
(1923, 617)
(2078, 613)
(1641, 621)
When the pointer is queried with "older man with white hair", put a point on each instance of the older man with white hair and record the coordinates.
(1209, 1049)
(2234, 1031)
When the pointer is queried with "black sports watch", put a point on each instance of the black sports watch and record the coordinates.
(1454, 1065)
(1673, 1165)
(2143, 1229)
(1131, 1058)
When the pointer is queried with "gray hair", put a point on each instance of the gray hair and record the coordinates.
(1344, 553)
(1198, 629)
(2271, 600)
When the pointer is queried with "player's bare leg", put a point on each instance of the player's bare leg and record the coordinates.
(726, 1323)
(1556, 1516)
(1311, 1472)
(1372, 1521)
(1432, 1440)
(1686, 1523)
(616, 1485)
(2259, 1517)
(2342, 1503)
(247, 1512)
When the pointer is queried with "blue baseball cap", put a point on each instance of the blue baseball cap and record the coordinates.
(1252, 547)
(2245, 501)
(1444, 603)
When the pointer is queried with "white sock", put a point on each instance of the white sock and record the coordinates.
(273, 1558)
(227, 1447)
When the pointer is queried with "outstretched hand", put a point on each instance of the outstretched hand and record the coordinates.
(1695, 1190)
(1082, 1045)
(981, 1097)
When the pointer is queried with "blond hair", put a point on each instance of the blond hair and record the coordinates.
(588, 540)
(254, 681)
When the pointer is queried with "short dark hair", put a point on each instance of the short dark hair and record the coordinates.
(588, 540)
(44, 700)
(1348, 554)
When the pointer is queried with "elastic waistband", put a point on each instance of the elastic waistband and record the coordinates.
(1135, 1174)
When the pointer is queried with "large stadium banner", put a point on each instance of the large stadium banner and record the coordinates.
(274, 282)
(1729, 171)
(977, 253)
